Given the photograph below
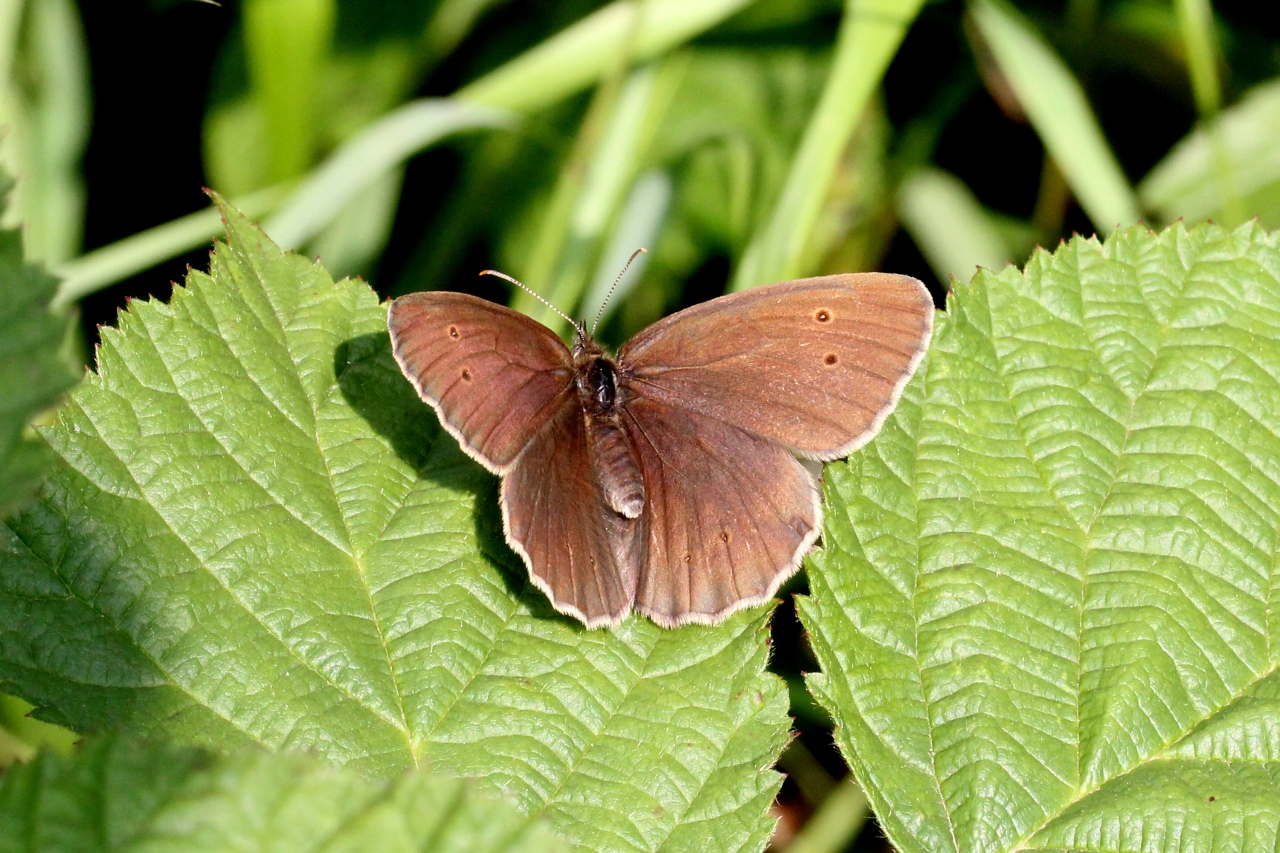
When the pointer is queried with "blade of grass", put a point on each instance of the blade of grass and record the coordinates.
(1195, 21)
(584, 53)
(553, 252)
(570, 61)
(29, 734)
(95, 270)
(367, 156)
(287, 43)
(360, 162)
(949, 225)
(1058, 110)
(1183, 184)
(44, 122)
(10, 27)
(836, 822)
(449, 25)
(592, 187)
(803, 768)
(638, 225)
(869, 36)
(351, 242)
(474, 205)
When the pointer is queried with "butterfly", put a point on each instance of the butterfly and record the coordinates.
(665, 480)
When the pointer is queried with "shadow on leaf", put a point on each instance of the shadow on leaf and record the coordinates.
(372, 384)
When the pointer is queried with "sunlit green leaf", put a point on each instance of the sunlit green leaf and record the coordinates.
(257, 533)
(1045, 608)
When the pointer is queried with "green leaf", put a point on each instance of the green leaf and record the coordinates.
(1046, 607)
(119, 794)
(33, 371)
(257, 533)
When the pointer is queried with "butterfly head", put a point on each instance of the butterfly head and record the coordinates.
(585, 348)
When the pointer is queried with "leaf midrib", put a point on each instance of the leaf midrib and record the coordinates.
(925, 704)
(346, 316)
(404, 729)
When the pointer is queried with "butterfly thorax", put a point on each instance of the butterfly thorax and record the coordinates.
(602, 394)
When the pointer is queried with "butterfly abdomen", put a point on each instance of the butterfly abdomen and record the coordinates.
(614, 462)
(613, 458)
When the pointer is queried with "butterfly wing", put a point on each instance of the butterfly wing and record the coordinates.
(729, 514)
(581, 553)
(494, 375)
(816, 364)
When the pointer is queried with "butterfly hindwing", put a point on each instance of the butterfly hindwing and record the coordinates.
(728, 515)
(579, 551)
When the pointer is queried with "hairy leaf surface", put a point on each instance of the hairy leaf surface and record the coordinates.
(257, 533)
(1046, 611)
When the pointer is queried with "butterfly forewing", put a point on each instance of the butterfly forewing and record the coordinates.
(728, 515)
(580, 552)
(495, 376)
(815, 364)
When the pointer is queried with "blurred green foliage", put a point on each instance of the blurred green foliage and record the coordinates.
(742, 142)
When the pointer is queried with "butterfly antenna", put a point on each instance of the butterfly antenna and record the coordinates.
(535, 295)
(637, 253)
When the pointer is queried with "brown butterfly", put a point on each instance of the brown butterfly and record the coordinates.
(664, 479)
